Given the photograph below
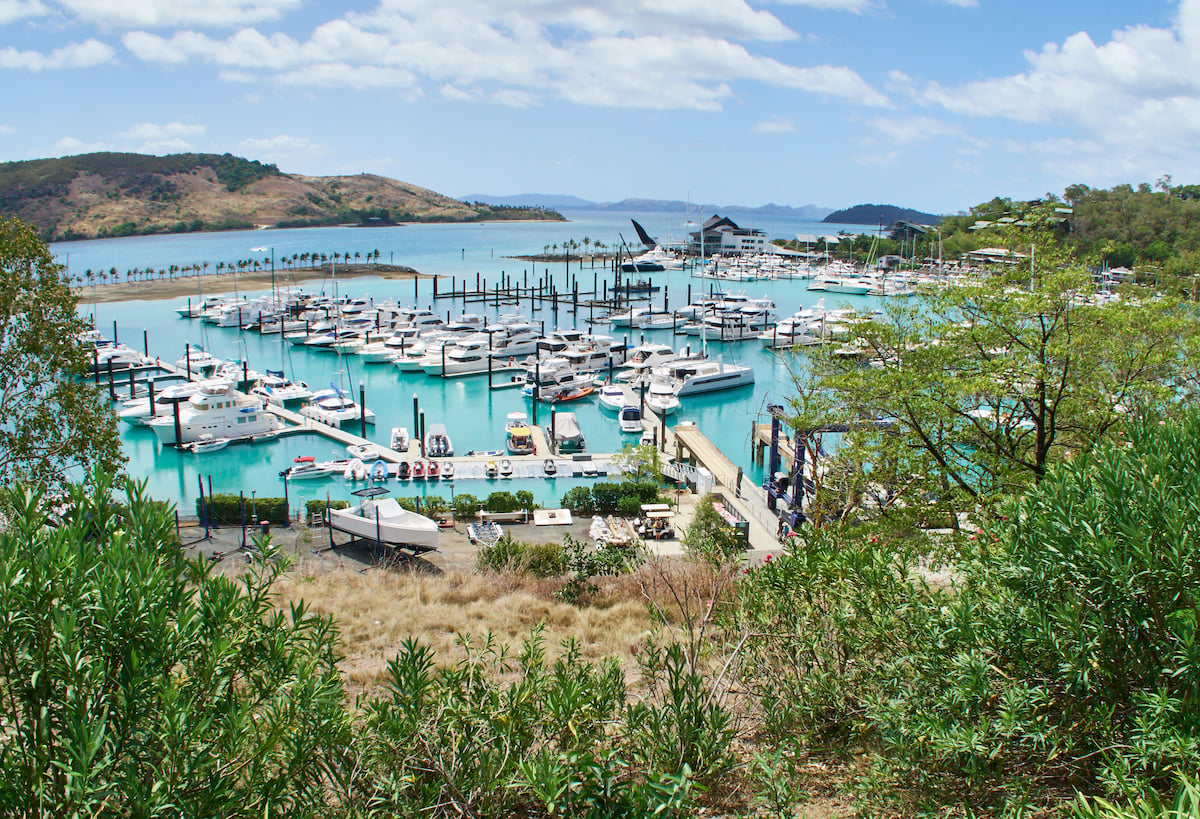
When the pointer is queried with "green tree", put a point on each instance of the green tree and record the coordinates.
(642, 462)
(55, 424)
(135, 682)
(708, 536)
(974, 390)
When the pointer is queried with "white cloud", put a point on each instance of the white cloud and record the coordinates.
(160, 13)
(1135, 98)
(965, 4)
(68, 146)
(13, 10)
(170, 137)
(853, 6)
(73, 55)
(283, 149)
(622, 53)
(910, 130)
(774, 126)
(7, 129)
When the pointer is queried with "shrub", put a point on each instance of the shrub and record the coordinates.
(519, 557)
(317, 508)
(579, 501)
(128, 674)
(502, 502)
(464, 506)
(230, 510)
(629, 506)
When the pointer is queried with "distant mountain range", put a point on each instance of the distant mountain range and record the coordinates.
(561, 202)
(124, 194)
(880, 215)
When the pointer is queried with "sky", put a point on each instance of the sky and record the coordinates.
(933, 104)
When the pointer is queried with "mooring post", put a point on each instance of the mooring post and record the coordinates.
(362, 408)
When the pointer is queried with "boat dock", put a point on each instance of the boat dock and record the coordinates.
(695, 458)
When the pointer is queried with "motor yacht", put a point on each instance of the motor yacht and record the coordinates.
(217, 410)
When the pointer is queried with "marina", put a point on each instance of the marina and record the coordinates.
(471, 407)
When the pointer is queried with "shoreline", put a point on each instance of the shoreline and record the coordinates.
(212, 283)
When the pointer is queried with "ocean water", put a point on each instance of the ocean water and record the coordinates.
(473, 414)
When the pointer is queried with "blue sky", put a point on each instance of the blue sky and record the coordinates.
(933, 104)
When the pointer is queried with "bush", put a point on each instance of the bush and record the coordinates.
(316, 508)
(1066, 658)
(228, 510)
(534, 559)
(502, 502)
(605, 497)
(464, 506)
(629, 506)
(579, 501)
(130, 674)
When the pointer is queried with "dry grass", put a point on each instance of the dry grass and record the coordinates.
(378, 610)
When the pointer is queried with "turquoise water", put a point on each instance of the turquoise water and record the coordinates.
(473, 415)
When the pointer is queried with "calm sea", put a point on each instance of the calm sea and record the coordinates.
(473, 414)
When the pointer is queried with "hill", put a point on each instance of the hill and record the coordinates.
(120, 194)
(880, 214)
(566, 202)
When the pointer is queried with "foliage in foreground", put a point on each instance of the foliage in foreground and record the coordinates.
(1061, 653)
(134, 682)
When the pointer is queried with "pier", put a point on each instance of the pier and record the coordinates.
(696, 460)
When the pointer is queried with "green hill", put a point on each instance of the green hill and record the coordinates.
(119, 194)
(880, 214)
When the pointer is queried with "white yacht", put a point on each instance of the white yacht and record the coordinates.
(462, 357)
(694, 377)
(334, 407)
(554, 376)
(218, 411)
(277, 389)
(662, 397)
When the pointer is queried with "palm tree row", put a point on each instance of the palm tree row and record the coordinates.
(296, 261)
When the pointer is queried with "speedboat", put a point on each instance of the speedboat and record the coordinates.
(447, 468)
(490, 469)
(520, 441)
(630, 419)
(569, 395)
(431, 471)
(385, 520)
(402, 471)
(612, 397)
(207, 443)
(662, 397)
(437, 442)
(306, 468)
(506, 468)
(549, 467)
(399, 439)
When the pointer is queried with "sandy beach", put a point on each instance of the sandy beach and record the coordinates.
(185, 286)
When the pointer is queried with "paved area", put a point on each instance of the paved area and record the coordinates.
(455, 552)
